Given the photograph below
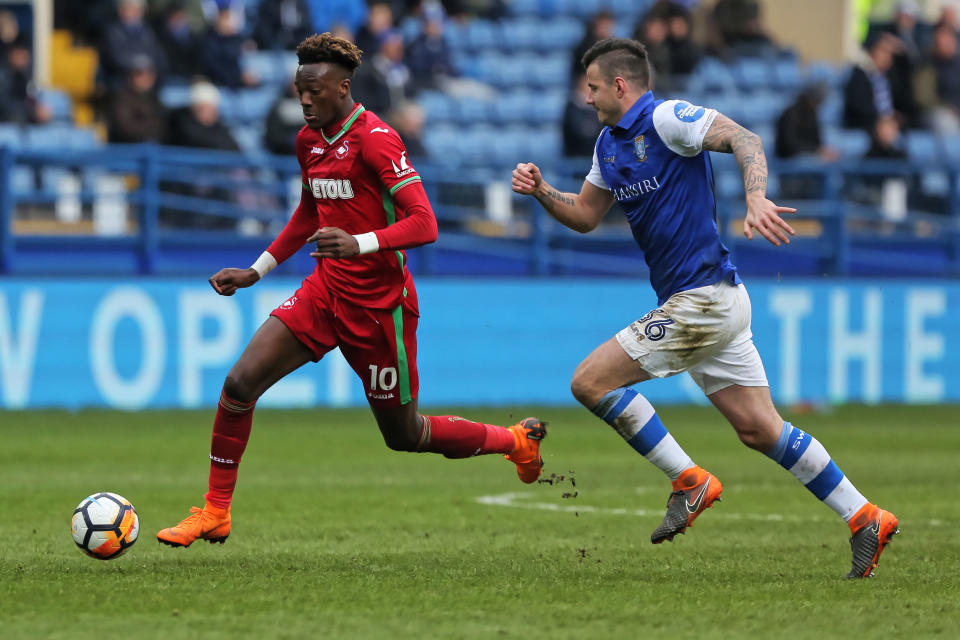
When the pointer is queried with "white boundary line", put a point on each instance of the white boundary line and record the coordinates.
(522, 500)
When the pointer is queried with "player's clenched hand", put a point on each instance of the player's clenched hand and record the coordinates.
(526, 178)
(764, 217)
(227, 281)
(334, 243)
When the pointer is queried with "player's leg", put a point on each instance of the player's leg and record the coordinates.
(735, 383)
(292, 336)
(381, 346)
(601, 383)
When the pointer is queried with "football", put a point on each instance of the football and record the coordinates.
(105, 525)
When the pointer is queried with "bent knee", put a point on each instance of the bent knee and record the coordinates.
(757, 436)
(238, 387)
(401, 442)
(586, 390)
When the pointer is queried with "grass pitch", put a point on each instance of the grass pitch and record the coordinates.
(335, 536)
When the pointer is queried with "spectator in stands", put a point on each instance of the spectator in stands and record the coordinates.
(600, 26)
(282, 24)
(580, 124)
(868, 94)
(464, 9)
(798, 127)
(126, 37)
(886, 140)
(798, 136)
(938, 82)
(180, 44)
(85, 20)
(134, 112)
(19, 101)
(326, 14)
(740, 30)
(685, 54)
(379, 21)
(284, 121)
(912, 38)
(221, 51)
(428, 56)
(407, 119)
(199, 124)
(652, 31)
(384, 82)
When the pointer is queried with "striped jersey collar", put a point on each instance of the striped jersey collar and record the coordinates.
(345, 126)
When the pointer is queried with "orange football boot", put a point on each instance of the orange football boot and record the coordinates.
(695, 490)
(872, 529)
(210, 523)
(527, 435)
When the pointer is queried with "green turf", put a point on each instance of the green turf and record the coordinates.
(336, 536)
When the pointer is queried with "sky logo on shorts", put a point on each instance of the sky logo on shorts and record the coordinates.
(687, 112)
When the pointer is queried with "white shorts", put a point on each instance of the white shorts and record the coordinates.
(704, 331)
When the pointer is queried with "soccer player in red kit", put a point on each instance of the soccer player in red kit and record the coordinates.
(362, 203)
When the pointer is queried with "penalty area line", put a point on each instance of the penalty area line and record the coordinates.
(524, 500)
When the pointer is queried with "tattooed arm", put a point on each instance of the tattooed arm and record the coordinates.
(581, 212)
(726, 136)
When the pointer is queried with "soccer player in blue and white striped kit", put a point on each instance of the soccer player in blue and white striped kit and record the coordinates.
(649, 158)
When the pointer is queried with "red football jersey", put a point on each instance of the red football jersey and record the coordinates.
(351, 179)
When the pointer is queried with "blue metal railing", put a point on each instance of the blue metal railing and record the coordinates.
(847, 238)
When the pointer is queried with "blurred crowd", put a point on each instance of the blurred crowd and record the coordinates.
(908, 75)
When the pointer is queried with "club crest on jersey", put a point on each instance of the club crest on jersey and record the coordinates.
(404, 168)
(640, 148)
(331, 189)
(342, 150)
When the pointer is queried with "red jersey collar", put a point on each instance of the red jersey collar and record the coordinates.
(344, 125)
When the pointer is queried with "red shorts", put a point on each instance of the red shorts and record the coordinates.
(380, 345)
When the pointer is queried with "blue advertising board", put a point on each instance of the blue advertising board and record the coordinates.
(144, 343)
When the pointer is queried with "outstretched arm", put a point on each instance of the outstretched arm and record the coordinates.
(726, 136)
(581, 212)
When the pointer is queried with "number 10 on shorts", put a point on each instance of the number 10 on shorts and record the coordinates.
(386, 378)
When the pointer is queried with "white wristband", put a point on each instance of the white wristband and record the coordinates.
(368, 242)
(264, 264)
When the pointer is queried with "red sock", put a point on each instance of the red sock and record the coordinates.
(231, 430)
(457, 437)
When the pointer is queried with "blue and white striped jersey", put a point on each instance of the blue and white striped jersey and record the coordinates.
(652, 163)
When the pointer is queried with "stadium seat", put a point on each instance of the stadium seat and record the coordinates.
(548, 107)
(249, 137)
(834, 77)
(482, 35)
(512, 106)
(250, 105)
(443, 141)
(520, 34)
(175, 96)
(60, 104)
(437, 106)
(850, 143)
(951, 149)
(549, 70)
(752, 73)
(530, 7)
(471, 111)
(786, 74)
(712, 75)
(923, 147)
(761, 108)
(559, 34)
(10, 136)
(59, 137)
(831, 111)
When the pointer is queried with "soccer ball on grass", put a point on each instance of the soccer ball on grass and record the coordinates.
(105, 525)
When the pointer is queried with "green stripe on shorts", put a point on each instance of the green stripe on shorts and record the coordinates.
(403, 370)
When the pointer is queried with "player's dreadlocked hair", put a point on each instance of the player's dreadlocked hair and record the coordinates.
(619, 57)
(326, 47)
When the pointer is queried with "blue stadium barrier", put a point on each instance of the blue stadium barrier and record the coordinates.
(151, 343)
(218, 194)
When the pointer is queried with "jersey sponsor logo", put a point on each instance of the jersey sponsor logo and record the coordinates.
(331, 189)
(342, 150)
(380, 129)
(687, 112)
(640, 148)
(609, 159)
(635, 190)
(404, 168)
(318, 150)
